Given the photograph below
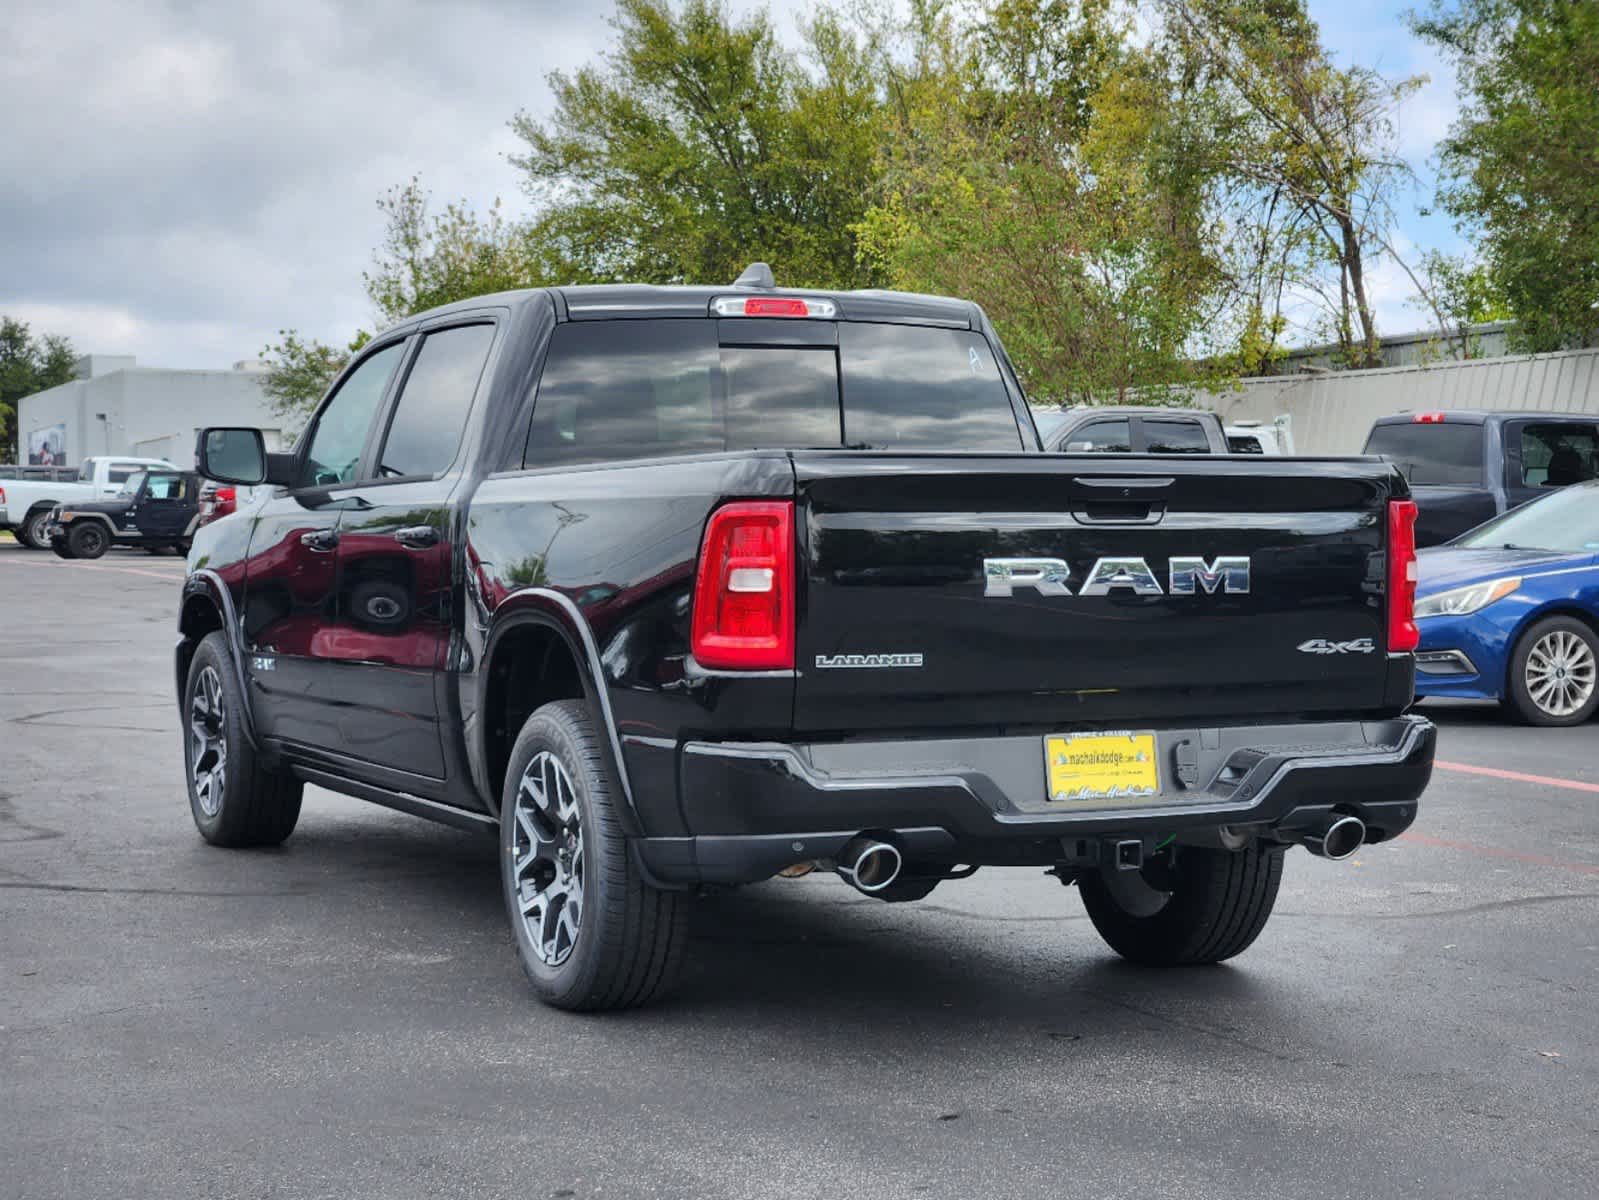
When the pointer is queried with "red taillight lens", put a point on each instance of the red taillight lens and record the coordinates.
(1402, 632)
(227, 495)
(744, 590)
(1435, 418)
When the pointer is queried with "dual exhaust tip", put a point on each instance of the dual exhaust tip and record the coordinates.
(1337, 839)
(869, 865)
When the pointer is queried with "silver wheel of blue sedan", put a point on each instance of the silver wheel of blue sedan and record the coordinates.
(1560, 673)
(548, 847)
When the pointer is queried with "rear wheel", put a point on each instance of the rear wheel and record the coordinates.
(1554, 673)
(234, 800)
(87, 539)
(590, 933)
(31, 532)
(1187, 906)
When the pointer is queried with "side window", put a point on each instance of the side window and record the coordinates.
(1101, 437)
(431, 415)
(335, 450)
(1556, 455)
(1175, 437)
(164, 487)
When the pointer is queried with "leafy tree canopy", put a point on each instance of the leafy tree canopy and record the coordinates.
(28, 364)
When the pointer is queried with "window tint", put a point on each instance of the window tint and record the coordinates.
(1112, 436)
(167, 487)
(1174, 437)
(335, 450)
(431, 414)
(120, 472)
(1244, 443)
(1557, 455)
(1565, 520)
(908, 386)
(1441, 453)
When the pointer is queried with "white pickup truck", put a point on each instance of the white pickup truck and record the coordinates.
(25, 504)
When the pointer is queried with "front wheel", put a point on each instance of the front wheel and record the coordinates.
(234, 799)
(31, 532)
(1187, 906)
(88, 539)
(1553, 675)
(62, 550)
(590, 932)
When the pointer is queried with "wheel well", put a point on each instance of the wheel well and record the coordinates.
(1579, 615)
(532, 665)
(38, 506)
(198, 617)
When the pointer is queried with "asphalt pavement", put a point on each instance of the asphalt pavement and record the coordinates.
(344, 1016)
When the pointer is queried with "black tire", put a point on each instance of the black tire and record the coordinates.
(62, 550)
(1520, 700)
(88, 539)
(31, 532)
(628, 942)
(257, 807)
(1197, 906)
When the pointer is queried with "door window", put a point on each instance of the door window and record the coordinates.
(167, 487)
(1175, 437)
(431, 414)
(334, 454)
(1101, 437)
(1556, 455)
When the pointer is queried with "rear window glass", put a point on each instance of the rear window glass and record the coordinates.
(1111, 436)
(1175, 437)
(1433, 454)
(614, 390)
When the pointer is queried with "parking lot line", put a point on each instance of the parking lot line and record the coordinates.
(55, 566)
(1520, 856)
(1554, 781)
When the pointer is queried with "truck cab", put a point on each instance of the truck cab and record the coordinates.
(1466, 467)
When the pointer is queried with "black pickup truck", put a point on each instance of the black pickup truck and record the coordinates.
(681, 587)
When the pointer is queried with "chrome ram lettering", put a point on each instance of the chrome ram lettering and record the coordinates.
(1186, 575)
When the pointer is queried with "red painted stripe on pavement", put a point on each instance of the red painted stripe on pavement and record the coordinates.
(82, 566)
(1520, 856)
(1554, 781)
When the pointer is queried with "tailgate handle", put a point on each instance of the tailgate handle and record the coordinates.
(1126, 485)
(1120, 512)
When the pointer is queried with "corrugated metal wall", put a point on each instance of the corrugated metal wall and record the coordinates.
(1333, 412)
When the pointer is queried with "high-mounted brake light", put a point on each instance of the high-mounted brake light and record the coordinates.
(773, 306)
(1432, 418)
(1403, 636)
(744, 588)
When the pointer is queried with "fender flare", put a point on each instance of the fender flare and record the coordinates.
(554, 610)
(110, 525)
(207, 583)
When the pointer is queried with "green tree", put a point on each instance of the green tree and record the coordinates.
(700, 144)
(299, 372)
(1310, 148)
(1519, 162)
(28, 364)
(1034, 162)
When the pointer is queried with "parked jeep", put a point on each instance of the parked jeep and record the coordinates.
(157, 509)
(669, 588)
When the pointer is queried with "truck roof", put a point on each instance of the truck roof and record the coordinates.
(1476, 416)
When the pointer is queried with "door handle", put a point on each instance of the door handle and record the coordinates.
(320, 539)
(417, 537)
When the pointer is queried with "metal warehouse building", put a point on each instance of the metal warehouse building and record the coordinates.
(115, 406)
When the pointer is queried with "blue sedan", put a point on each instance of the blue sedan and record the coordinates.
(1510, 611)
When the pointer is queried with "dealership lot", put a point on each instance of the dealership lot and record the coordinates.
(345, 1016)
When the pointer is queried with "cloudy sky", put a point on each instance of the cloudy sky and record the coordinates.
(179, 180)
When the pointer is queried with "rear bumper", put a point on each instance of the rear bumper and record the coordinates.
(755, 808)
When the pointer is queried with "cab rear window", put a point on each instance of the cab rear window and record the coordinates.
(1433, 453)
(616, 390)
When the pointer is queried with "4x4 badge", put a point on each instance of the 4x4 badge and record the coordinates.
(1323, 646)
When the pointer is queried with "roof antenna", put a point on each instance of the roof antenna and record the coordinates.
(756, 275)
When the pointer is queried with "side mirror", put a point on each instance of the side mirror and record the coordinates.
(231, 456)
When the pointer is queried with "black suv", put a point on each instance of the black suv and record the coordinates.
(157, 510)
(676, 588)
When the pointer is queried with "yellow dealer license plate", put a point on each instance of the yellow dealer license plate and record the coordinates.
(1082, 767)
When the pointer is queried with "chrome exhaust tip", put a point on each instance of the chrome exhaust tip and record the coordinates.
(869, 865)
(1337, 840)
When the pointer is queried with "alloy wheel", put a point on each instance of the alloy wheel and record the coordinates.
(1560, 673)
(208, 742)
(547, 853)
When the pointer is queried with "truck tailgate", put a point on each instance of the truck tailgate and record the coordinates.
(944, 591)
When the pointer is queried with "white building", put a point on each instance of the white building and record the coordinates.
(115, 406)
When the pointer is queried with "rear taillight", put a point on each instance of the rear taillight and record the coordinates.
(744, 589)
(1432, 418)
(2, 495)
(1402, 632)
